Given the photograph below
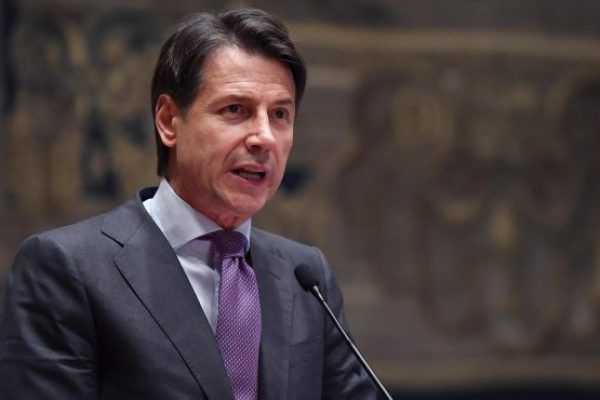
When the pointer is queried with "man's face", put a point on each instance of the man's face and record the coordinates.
(229, 151)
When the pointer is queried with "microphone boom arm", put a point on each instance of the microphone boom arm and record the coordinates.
(314, 289)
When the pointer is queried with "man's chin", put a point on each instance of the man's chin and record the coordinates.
(246, 205)
(248, 209)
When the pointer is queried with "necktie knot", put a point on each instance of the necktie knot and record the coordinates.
(228, 244)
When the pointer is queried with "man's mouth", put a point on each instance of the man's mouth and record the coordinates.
(255, 176)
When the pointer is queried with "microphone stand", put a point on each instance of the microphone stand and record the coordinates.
(314, 289)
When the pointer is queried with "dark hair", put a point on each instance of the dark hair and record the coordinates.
(178, 72)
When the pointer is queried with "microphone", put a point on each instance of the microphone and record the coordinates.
(307, 278)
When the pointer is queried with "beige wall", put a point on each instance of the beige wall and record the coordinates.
(446, 160)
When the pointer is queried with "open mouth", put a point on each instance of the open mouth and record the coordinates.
(254, 176)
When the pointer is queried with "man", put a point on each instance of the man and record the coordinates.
(174, 295)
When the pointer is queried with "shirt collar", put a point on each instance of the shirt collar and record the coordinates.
(180, 222)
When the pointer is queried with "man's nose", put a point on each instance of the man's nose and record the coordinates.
(260, 133)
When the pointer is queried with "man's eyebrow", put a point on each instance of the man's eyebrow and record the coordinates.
(285, 102)
(233, 97)
(242, 97)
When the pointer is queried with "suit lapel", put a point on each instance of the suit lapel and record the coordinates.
(273, 274)
(151, 268)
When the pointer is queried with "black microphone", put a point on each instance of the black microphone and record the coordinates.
(309, 282)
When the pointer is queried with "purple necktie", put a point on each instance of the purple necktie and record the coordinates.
(239, 318)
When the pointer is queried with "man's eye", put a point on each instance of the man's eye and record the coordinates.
(233, 108)
(280, 113)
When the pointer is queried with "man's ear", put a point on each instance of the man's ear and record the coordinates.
(166, 113)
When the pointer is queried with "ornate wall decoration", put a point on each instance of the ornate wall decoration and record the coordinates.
(449, 172)
(459, 204)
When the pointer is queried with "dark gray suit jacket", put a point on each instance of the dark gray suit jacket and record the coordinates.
(103, 309)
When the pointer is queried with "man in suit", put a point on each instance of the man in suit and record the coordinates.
(136, 303)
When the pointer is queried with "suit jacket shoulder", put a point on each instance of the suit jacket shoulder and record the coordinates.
(312, 361)
(100, 309)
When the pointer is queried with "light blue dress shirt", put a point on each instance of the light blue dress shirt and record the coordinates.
(182, 225)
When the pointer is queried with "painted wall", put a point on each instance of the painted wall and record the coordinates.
(447, 161)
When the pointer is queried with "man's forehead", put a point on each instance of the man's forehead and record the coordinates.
(234, 65)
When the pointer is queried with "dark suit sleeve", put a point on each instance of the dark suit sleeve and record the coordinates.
(46, 328)
(343, 376)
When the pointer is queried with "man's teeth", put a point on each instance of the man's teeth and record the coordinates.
(253, 176)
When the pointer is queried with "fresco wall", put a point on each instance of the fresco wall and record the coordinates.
(447, 160)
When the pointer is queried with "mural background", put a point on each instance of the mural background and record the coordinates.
(446, 159)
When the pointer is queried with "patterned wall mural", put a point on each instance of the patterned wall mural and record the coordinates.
(447, 167)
